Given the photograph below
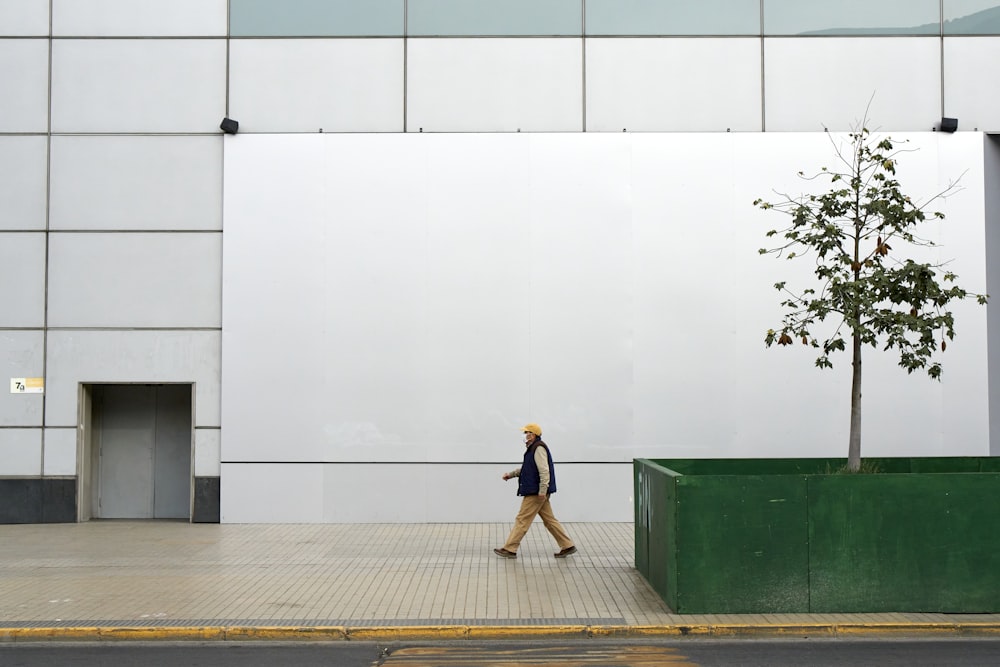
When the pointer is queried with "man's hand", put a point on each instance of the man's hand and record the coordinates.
(506, 476)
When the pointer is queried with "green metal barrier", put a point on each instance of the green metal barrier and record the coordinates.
(785, 535)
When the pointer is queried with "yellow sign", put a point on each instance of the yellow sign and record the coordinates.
(27, 385)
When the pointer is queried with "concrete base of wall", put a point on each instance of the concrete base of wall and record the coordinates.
(206, 500)
(38, 500)
(53, 500)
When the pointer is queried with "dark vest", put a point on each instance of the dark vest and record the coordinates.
(527, 483)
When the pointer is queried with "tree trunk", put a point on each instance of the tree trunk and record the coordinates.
(854, 448)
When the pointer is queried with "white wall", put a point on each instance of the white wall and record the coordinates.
(22, 175)
(635, 84)
(977, 107)
(414, 299)
(137, 85)
(135, 183)
(507, 85)
(811, 84)
(992, 180)
(353, 85)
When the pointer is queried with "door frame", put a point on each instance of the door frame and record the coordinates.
(88, 433)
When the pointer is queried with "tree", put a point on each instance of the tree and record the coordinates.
(870, 294)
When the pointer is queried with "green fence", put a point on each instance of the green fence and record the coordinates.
(786, 535)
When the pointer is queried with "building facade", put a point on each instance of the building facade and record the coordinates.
(440, 219)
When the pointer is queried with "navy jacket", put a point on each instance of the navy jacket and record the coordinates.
(528, 482)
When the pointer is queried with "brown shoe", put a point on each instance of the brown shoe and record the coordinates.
(503, 553)
(565, 552)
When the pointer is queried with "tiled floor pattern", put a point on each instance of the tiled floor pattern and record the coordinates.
(159, 573)
(108, 573)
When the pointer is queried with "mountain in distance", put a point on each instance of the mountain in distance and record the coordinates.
(985, 22)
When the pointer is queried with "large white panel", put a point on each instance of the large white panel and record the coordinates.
(285, 214)
(76, 357)
(594, 492)
(207, 452)
(903, 415)
(21, 356)
(429, 367)
(313, 85)
(704, 384)
(414, 493)
(397, 493)
(22, 292)
(138, 18)
(991, 150)
(964, 241)
(483, 85)
(136, 183)
(24, 18)
(24, 78)
(272, 493)
(968, 63)
(497, 500)
(418, 493)
(678, 85)
(605, 285)
(134, 85)
(477, 289)
(810, 84)
(20, 452)
(581, 235)
(22, 182)
(135, 280)
(59, 457)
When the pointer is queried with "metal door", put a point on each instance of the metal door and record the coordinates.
(143, 435)
(172, 453)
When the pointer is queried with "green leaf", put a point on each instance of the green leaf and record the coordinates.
(877, 296)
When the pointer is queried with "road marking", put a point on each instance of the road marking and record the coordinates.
(558, 656)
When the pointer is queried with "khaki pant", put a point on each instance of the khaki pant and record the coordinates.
(532, 506)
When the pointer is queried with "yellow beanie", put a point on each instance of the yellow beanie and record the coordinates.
(533, 428)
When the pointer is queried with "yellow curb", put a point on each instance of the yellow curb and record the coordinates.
(415, 632)
(308, 633)
(459, 632)
(111, 634)
(48, 634)
(527, 631)
(638, 631)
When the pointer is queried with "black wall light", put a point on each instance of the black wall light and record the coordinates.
(229, 126)
(949, 124)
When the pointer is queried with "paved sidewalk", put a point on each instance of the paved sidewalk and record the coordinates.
(173, 580)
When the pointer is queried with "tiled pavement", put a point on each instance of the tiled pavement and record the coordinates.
(174, 580)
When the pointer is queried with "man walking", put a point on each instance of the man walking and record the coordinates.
(536, 482)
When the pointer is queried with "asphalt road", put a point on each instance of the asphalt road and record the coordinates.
(674, 653)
